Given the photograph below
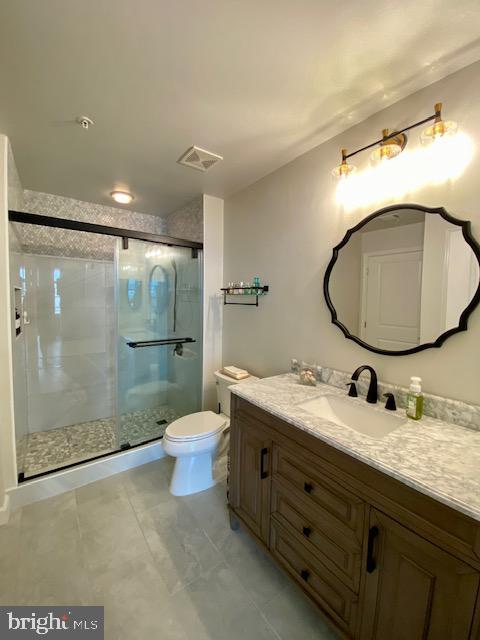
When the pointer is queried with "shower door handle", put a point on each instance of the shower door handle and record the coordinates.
(158, 343)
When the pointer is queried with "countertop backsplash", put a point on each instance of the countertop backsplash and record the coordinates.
(446, 409)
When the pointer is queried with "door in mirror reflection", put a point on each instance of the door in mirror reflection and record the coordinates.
(403, 278)
(391, 296)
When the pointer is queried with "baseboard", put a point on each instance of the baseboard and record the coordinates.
(5, 510)
(56, 483)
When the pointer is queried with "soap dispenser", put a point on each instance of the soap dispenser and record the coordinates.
(415, 399)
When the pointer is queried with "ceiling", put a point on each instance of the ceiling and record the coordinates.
(395, 219)
(256, 81)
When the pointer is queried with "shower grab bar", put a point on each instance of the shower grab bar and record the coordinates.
(158, 343)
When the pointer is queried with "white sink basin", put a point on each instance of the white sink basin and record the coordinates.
(348, 413)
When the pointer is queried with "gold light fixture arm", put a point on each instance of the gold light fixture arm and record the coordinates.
(387, 136)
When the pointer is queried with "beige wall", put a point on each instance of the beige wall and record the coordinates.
(7, 461)
(212, 300)
(346, 284)
(283, 229)
(4, 334)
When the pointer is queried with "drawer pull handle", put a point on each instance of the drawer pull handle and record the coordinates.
(308, 487)
(307, 531)
(263, 473)
(371, 564)
(305, 574)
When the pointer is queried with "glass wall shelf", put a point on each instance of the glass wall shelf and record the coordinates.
(251, 291)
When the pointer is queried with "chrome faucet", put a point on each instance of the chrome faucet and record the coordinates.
(372, 394)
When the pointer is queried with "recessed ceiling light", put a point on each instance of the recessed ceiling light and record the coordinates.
(122, 197)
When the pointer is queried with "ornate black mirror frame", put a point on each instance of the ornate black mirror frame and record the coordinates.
(462, 325)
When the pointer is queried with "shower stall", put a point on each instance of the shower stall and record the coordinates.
(107, 338)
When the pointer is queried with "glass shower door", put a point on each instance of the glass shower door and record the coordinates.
(159, 305)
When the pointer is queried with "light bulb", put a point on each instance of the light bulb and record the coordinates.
(440, 128)
(344, 169)
(389, 148)
(122, 197)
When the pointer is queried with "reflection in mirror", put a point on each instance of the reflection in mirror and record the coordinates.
(134, 293)
(403, 279)
(158, 290)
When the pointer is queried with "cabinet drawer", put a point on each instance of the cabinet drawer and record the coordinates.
(321, 490)
(337, 548)
(336, 600)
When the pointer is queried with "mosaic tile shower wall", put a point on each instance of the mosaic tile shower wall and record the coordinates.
(61, 207)
(187, 222)
(76, 244)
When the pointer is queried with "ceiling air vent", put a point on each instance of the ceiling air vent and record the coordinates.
(199, 159)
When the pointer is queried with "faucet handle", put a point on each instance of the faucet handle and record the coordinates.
(352, 392)
(390, 404)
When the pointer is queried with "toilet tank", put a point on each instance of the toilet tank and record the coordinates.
(223, 383)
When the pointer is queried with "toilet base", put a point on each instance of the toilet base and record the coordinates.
(192, 474)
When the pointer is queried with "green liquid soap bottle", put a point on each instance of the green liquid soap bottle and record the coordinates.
(415, 399)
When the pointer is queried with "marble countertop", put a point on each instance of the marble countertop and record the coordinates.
(439, 459)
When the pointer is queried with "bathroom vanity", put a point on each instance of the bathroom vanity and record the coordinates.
(383, 534)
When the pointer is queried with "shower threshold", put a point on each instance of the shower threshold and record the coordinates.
(45, 452)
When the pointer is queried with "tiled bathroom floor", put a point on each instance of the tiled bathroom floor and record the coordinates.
(163, 567)
(49, 450)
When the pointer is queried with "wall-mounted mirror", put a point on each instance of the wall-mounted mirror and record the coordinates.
(404, 279)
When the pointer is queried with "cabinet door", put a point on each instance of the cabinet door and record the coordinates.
(251, 450)
(413, 589)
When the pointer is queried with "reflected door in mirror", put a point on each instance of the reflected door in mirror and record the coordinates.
(391, 295)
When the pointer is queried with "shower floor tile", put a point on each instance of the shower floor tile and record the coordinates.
(49, 450)
(90, 438)
(144, 425)
(46, 449)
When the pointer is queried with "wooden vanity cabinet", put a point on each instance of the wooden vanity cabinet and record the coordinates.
(249, 487)
(414, 589)
(380, 560)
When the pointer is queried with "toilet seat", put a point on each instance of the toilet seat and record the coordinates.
(195, 426)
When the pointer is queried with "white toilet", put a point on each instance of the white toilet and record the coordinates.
(193, 440)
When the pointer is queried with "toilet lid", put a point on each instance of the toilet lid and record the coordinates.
(195, 426)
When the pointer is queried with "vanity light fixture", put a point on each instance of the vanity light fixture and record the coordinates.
(391, 144)
(344, 169)
(439, 128)
(390, 147)
(122, 197)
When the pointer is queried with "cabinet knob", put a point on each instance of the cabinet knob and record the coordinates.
(305, 574)
(307, 531)
(308, 487)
